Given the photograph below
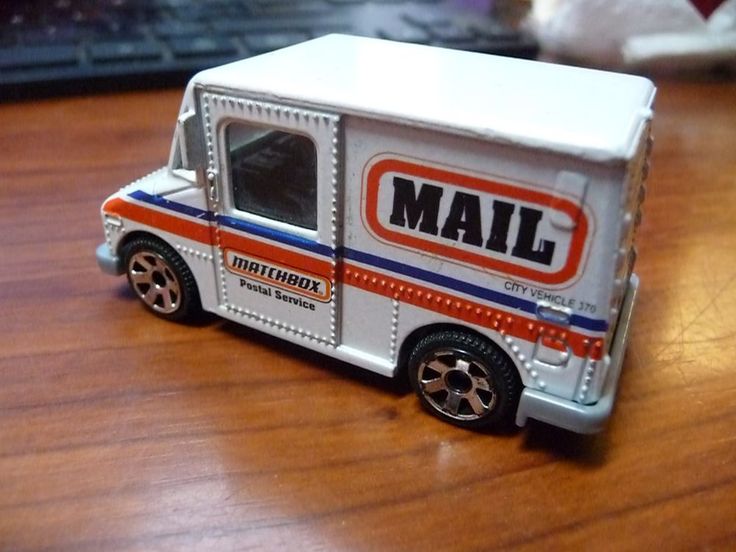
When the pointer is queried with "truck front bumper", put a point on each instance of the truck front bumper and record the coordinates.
(584, 418)
(108, 263)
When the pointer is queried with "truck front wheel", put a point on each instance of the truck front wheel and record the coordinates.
(465, 380)
(161, 279)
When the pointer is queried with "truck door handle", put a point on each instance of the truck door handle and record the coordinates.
(212, 184)
(553, 314)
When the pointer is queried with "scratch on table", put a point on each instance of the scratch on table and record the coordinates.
(679, 337)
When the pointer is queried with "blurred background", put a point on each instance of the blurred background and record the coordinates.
(55, 47)
(638, 35)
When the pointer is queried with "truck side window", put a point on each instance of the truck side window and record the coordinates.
(273, 174)
(176, 163)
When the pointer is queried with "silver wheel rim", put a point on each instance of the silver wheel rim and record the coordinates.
(457, 384)
(154, 281)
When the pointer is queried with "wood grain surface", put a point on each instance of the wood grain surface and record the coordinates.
(119, 431)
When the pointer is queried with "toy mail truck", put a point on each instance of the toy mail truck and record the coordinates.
(463, 220)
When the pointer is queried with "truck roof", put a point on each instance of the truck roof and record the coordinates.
(581, 112)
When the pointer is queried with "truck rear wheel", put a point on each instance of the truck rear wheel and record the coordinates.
(465, 380)
(161, 279)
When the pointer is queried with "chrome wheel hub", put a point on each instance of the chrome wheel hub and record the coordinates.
(457, 384)
(154, 281)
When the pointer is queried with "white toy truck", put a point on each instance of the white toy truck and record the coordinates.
(463, 220)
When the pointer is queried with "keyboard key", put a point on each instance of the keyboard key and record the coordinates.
(265, 42)
(290, 8)
(234, 26)
(174, 28)
(37, 56)
(124, 51)
(119, 31)
(202, 46)
(428, 18)
(48, 35)
(302, 23)
(7, 38)
(201, 12)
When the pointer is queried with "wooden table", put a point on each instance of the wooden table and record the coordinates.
(122, 431)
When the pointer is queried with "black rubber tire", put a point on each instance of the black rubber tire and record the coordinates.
(172, 271)
(465, 360)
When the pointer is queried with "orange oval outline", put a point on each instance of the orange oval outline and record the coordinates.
(577, 243)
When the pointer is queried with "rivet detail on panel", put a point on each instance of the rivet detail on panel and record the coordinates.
(201, 255)
(216, 107)
(334, 227)
(511, 328)
(394, 328)
(276, 324)
(588, 374)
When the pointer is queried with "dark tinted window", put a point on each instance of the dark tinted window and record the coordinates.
(273, 174)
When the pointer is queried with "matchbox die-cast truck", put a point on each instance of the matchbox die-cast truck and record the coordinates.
(463, 220)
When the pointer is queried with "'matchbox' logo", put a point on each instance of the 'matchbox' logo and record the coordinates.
(502, 227)
(284, 277)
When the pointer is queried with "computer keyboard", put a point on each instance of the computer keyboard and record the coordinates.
(54, 47)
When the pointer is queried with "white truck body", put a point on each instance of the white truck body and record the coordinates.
(443, 189)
